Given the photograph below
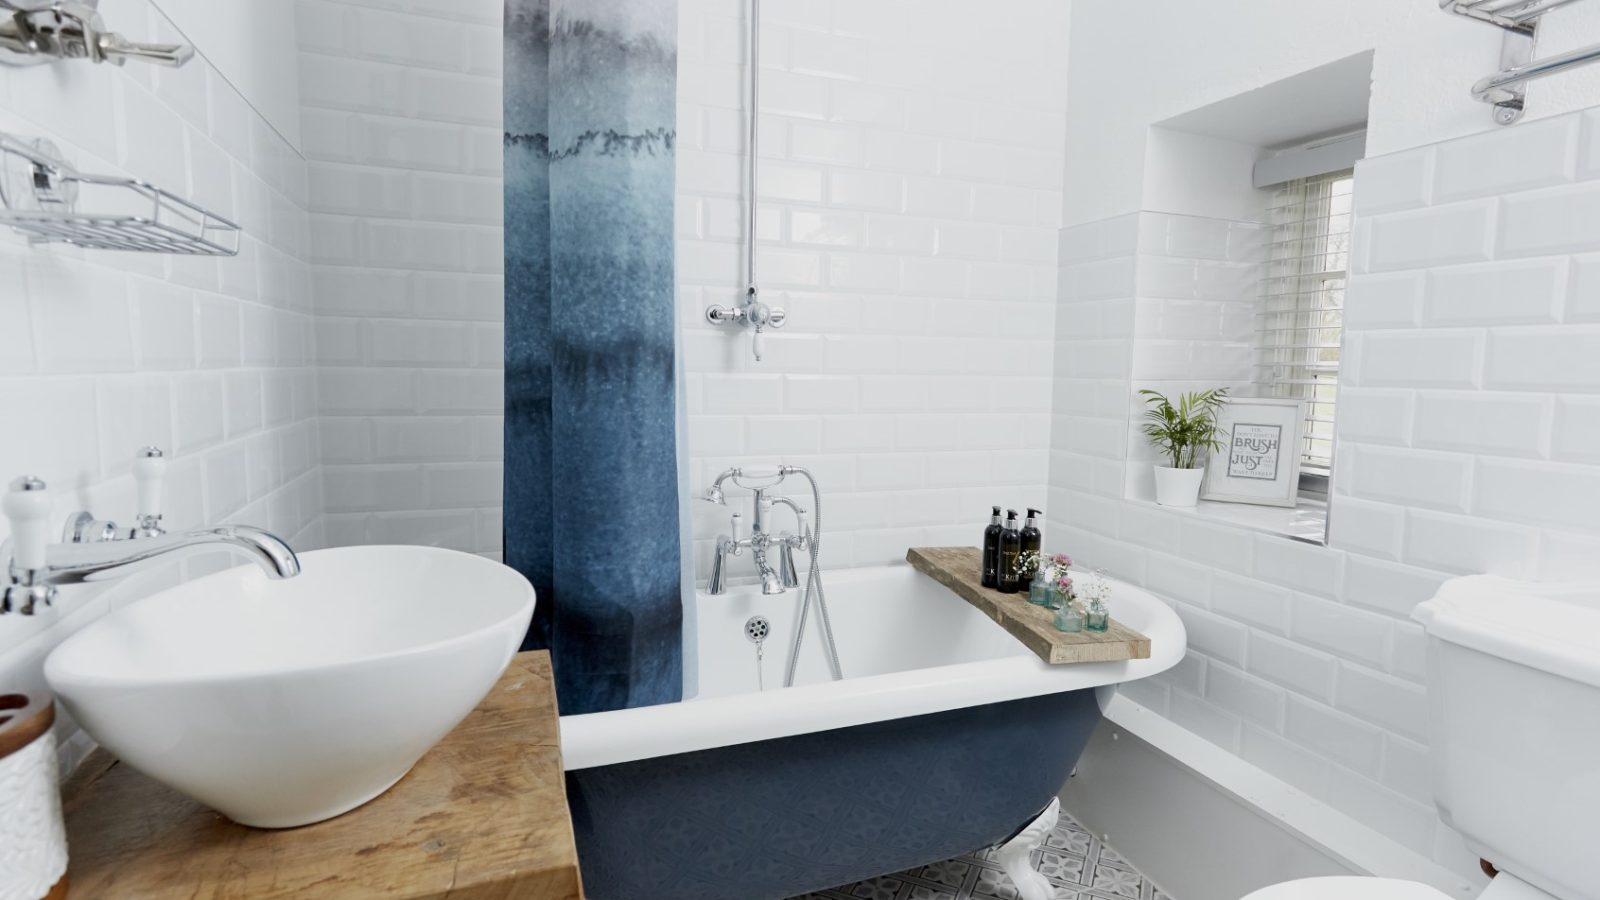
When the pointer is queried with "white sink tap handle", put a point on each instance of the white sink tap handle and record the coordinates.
(149, 470)
(27, 505)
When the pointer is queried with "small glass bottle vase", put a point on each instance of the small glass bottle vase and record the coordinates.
(1097, 617)
(1069, 617)
(1039, 590)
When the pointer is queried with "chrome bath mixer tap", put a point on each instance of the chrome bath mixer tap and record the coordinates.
(762, 480)
(761, 543)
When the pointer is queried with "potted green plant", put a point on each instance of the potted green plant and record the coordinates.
(1185, 433)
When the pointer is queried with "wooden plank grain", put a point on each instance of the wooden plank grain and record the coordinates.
(958, 568)
(482, 816)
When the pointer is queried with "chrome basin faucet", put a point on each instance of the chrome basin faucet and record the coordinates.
(762, 542)
(31, 568)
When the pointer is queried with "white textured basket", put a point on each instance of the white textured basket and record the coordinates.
(33, 840)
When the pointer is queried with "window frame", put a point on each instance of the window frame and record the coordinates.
(1300, 302)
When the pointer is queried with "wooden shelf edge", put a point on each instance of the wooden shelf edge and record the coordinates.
(958, 568)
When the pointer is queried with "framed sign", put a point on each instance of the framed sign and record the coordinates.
(1260, 457)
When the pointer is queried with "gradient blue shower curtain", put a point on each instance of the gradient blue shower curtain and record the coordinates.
(591, 485)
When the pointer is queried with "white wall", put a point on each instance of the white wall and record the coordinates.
(245, 42)
(1465, 413)
(1135, 66)
(909, 198)
(402, 103)
(209, 358)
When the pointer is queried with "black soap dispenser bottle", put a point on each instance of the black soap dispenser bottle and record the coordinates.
(991, 551)
(1010, 550)
(1032, 539)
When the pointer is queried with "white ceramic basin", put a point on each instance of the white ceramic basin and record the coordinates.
(281, 703)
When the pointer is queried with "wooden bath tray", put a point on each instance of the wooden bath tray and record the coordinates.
(958, 568)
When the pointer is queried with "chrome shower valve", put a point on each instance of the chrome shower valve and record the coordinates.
(751, 313)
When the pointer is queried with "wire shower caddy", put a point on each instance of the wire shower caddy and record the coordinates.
(50, 201)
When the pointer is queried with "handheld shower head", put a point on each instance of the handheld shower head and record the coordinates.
(713, 493)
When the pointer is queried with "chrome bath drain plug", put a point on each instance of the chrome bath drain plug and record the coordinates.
(756, 629)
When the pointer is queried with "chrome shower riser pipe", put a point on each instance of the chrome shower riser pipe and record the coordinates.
(748, 311)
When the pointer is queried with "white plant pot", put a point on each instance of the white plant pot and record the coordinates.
(1178, 487)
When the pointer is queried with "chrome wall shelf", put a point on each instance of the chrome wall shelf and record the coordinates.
(1507, 89)
(44, 197)
(1508, 14)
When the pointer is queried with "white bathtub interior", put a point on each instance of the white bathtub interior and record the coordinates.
(885, 619)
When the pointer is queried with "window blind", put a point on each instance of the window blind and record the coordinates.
(1301, 311)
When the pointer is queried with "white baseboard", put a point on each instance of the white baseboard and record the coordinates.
(1206, 825)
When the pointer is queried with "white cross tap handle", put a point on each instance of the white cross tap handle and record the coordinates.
(149, 470)
(27, 505)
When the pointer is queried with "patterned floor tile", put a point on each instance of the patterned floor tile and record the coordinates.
(1116, 881)
(1059, 867)
(1074, 860)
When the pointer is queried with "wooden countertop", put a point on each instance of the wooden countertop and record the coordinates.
(959, 569)
(482, 816)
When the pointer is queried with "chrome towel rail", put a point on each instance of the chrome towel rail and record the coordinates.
(1498, 88)
(1507, 89)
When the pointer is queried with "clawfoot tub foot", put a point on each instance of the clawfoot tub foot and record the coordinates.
(1014, 854)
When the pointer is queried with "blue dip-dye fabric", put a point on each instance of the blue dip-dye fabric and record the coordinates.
(591, 491)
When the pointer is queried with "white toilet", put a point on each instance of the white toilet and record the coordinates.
(1514, 720)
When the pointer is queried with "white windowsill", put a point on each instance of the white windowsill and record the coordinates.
(1306, 521)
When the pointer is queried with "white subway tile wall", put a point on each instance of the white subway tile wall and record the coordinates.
(916, 260)
(210, 359)
(401, 103)
(948, 348)
(1466, 443)
(909, 201)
